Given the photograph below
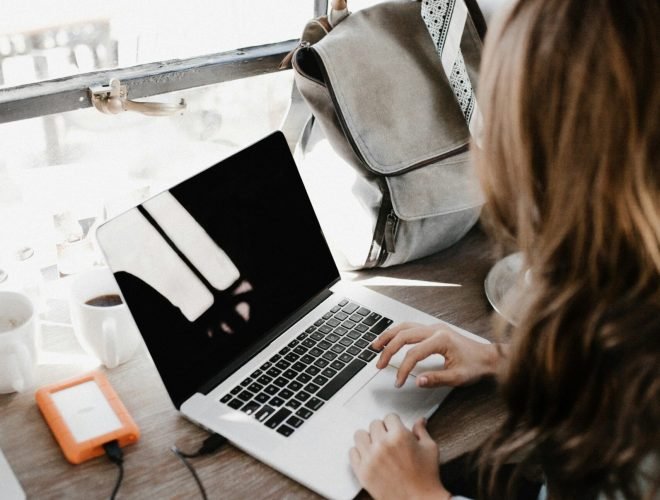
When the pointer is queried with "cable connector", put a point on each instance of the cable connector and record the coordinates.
(210, 444)
(116, 456)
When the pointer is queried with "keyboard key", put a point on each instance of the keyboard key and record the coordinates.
(226, 398)
(295, 422)
(314, 404)
(294, 403)
(290, 374)
(304, 378)
(372, 319)
(340, 330)
(361, 328)
(282, 364)
(356, 318)
(353, 350)
(264, 413)
(273, 372)
(255, 387)
(335, 309)
(367, 355)
(341, 379)
(235, 390)
(311, 388)
(262, 397)
(266, 365)
(245, 396)
(316, 336)
(329, 372)
(343, 302)
(281, 381)
(279, 417)
(363, 311)
(303, 396)
(332, 338)
(251, 407)
(302, 336)
(307, 359)
(256, 374)
(361, 343)
(320, 380)
(318, 322)
(312, 370)
(332, 323)
(293, 343)
(346, 341)
(272, 390)
(341, 316)
(315, 351)
(310, 329)
(304, 413)
(369, 337)
(265, 380)
(300, 350)
(309, 343)
(324, 344)
(235, 404)
(292, 357)
(348, 324)
(285, 430)
(353, 335)
(345, 358)
(329, 355)
(276, 401)
(327, 315)
(337, 348)
(337, 365)
(381, 326)
(285, 393)
(295, 386)
(284, 351)
(321, 363)
(246, 382)
(298, 366)
(350, 308)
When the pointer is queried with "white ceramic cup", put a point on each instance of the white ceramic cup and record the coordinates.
(18, 342)
(106, 332)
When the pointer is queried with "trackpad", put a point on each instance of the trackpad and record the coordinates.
(378, 397)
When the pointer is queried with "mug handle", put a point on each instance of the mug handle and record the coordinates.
(20, 368)
(110, 354)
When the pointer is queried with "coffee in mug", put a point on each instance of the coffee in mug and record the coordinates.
(107, 300)
(101, 320)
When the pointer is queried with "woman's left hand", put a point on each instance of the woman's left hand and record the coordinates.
(391, 461)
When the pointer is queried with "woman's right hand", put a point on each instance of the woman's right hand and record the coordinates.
(466, 360)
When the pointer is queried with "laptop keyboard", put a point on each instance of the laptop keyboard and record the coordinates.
(297, 381)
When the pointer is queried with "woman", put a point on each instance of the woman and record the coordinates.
(570, 165)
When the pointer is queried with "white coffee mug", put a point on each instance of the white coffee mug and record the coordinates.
(101, 320)
(18, 342)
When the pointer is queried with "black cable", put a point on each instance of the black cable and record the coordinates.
(116, 456)
(210, 444)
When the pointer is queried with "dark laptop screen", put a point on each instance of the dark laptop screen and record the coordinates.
(203, 300)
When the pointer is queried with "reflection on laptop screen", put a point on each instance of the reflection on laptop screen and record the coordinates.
(210, 266)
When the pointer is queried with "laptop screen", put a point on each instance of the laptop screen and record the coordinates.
(209, 267)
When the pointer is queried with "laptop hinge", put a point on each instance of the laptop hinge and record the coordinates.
(273, 334)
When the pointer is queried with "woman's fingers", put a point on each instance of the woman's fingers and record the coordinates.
(362, 441)
(436, 344)
(390, 333)
(412, 335)
(420, 432)
(451, 377)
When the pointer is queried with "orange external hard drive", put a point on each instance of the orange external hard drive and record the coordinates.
(84, 413)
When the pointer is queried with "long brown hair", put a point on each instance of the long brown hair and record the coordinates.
(570, 165)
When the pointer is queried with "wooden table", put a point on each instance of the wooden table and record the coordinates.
(151, 469)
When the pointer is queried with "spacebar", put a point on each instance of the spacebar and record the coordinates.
(340, 380)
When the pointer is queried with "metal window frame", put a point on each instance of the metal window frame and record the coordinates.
(71, 93)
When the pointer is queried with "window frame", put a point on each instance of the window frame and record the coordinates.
(144, 80)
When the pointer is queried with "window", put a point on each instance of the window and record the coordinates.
(65, 167)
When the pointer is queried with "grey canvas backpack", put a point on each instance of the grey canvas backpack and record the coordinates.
(380, 97)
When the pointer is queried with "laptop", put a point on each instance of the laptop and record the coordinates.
(255, 336)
